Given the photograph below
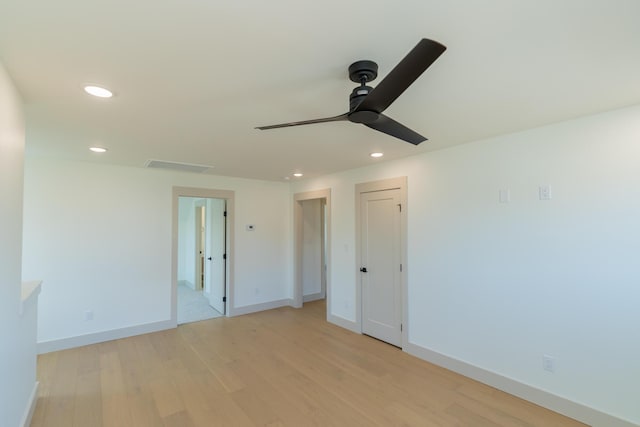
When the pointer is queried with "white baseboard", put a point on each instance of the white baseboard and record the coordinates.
(344, 323)
(313, 297)
(187, 283)
(81, 340)
(114, 334)
(239, 311)
(532, 394)
(31, 407)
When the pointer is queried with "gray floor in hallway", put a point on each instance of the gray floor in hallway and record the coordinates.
(193, 306)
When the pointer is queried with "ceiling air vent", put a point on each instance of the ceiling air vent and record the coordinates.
(177, 166)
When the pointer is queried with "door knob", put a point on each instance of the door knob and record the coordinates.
(209, 258)
(363, 269)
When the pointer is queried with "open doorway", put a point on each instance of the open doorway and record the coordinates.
(201, 259)
(312, 233)
(314, 278)
(202, 242)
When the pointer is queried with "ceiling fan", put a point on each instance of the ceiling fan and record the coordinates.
(366, 104)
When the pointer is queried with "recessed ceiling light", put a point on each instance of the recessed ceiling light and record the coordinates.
(98, 149)
(98, 91)
(297, 174)
(377, 154)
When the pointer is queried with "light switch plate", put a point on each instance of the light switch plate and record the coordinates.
(505, 195)
(545, 192)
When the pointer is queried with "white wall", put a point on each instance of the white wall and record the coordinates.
(497, 285)
(311, 247)
(100, 237)
(17, 332)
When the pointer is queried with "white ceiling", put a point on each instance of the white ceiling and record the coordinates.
(194, 77)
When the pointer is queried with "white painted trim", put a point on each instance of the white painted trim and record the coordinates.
(313, 297)
(94, 338)
(31, 406)
(548, 400)
(30, 292)
(239, 311)
(344, 323)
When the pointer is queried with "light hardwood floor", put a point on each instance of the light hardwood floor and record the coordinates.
(283, 367)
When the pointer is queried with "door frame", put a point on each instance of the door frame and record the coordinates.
(206, 193)
(298, 243)
(399, 183)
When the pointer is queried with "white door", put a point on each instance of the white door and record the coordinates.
(216, 261)
(380, 265)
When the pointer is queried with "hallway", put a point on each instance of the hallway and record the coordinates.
(193, 306)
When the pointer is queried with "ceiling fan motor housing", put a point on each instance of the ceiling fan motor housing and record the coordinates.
(357, 96)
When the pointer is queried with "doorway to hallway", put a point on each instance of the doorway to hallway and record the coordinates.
(202, 242)
(201, 258)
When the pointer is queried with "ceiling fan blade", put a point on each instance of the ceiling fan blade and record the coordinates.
(389, 126)
(339, 118)
(402, 76)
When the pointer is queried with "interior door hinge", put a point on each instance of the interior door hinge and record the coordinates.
(400, 206)
(400, 327)
(224, 256)
(224, 299)
(401, 267)
(225, 213)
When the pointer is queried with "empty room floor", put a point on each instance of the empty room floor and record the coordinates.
(283, 367)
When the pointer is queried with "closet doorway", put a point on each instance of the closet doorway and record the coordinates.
(311, 240)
